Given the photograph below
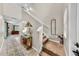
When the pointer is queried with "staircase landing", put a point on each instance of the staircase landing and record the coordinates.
(53, 49)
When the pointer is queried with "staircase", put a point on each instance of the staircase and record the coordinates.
(52, 49)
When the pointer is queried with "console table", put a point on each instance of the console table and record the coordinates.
(26, 41)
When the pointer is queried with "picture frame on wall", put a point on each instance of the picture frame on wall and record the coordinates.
(53, 27)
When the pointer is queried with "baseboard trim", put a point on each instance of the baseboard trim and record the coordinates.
(65, 51)
(54, 40)
(2, 45)
(36, 50)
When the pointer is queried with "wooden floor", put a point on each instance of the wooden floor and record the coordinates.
(53, 49)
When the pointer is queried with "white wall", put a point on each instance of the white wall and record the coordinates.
(1, 20)
(46, 31)
(46, 12)
(1, 26)
(40, 37)
(59, 25)
(72, 27)
(0, 8)
(78, 22)
(2, 31)
(66, 40)
(12, 10)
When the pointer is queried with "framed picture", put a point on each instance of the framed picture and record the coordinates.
(53, 27)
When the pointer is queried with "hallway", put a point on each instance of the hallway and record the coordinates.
(30, 24)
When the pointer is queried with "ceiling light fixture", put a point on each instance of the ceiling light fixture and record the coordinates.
(27, 7)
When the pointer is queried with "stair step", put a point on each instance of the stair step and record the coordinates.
(53, 49)
(51, 53)
(44, 54)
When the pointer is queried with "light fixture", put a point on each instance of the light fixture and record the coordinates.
(27, 7)
(30, 8)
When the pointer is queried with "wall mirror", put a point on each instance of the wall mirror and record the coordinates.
(53, 27)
